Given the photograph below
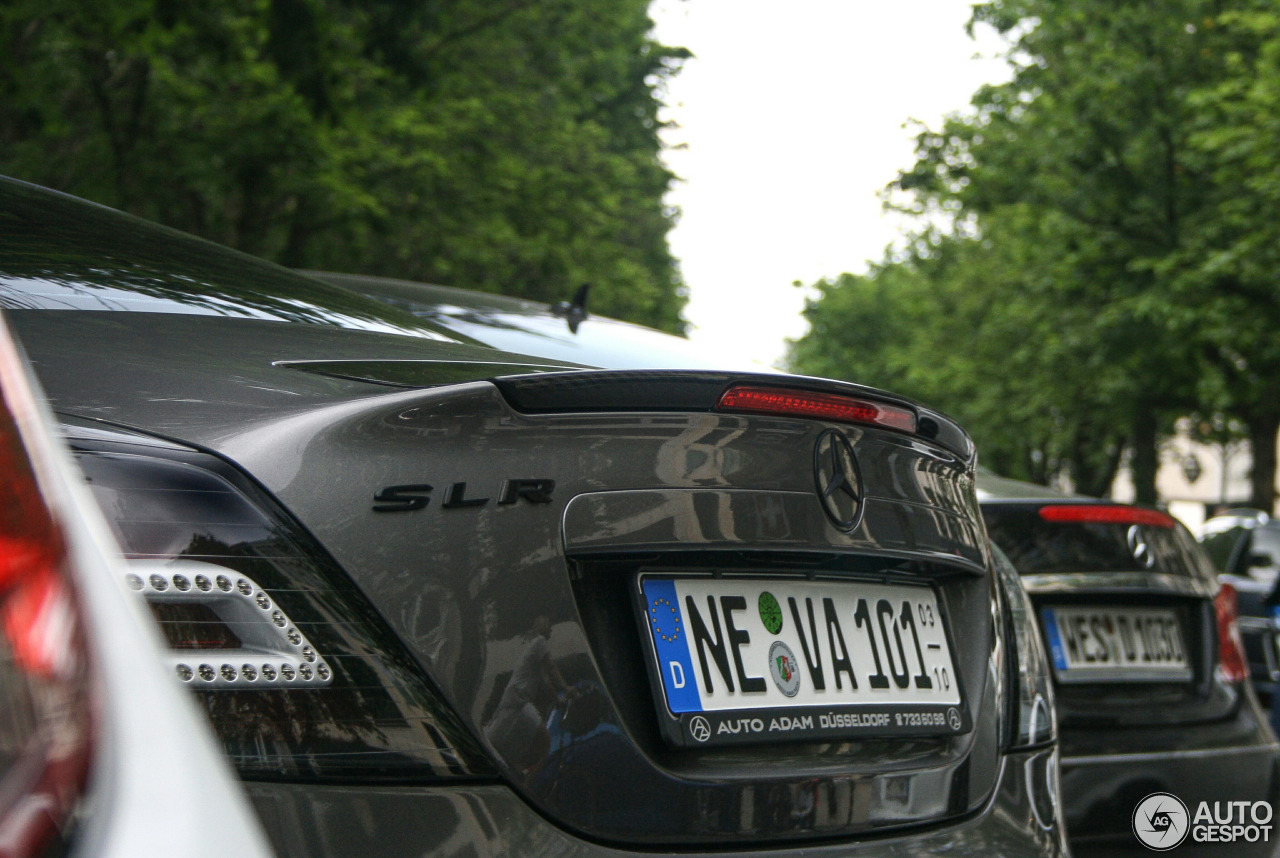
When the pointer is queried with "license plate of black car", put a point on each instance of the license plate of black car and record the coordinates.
(738, 660)
(1117, 644)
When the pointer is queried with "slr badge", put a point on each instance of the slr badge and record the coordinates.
(406, 498)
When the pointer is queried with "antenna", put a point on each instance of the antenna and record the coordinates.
(575, 311)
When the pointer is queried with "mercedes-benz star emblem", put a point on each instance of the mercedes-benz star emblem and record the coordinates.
(1141, 551)
(839, 481)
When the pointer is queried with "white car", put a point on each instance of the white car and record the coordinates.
(101, 752)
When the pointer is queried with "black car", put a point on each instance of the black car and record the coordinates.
(1150, 679)
(1245, 546)
(442, 598)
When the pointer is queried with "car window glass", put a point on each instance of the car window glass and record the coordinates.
(596, 342)
(110, 263)
(529, 328)
(1221, 545)
(1266, 544)
(1266, 540)
(1038, 546)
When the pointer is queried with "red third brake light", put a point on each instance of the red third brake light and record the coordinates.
(1231, 660)
(809, 403)
(1089, 513)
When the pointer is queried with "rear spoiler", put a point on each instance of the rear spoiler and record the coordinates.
(760, 393)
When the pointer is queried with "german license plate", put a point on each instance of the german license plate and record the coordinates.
(1091, 644)
(751, 660)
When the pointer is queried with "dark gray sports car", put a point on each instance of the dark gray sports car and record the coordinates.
(438, 597)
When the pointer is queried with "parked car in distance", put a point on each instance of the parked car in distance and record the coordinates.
(101, 754)
(444, 598)
(1245, 546)
(1150, 677)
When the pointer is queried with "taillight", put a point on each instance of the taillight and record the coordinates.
(824, 406)
(1089, 513)
(1232, 664)
(45, 705)
(299, 674)
(1033, 720)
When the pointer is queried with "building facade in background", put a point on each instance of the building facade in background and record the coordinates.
(1195, 479)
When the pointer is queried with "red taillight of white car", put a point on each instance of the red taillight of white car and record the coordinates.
(1232, 664)
(45, 707)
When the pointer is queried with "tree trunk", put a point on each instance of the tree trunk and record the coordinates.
(1096, 481)
(1146, 456)
(1263, 429)
(301, 228)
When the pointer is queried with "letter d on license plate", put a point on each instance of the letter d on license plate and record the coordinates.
(750, 659)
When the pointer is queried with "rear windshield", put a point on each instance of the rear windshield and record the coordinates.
(1221, 546)
(1037, 546)
(60, 253)
(529, 328)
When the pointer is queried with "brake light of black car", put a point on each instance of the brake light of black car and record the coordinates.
(1232, 664)
(45, 698)
(299, 674)
(1106, 514)
(809, 403)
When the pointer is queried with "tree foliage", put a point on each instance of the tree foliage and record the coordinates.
(506, 145)
(1110, 258)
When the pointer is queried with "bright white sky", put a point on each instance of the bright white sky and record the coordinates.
(790, 122)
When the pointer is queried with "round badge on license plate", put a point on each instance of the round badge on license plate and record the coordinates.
(785, 669)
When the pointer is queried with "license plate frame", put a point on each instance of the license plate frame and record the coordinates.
(1078, 634)
(750, 650)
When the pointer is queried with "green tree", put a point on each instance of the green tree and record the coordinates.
(507, 146)
(1090, 138)
(959, 323)
(1118, 202)
(1227, 273)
